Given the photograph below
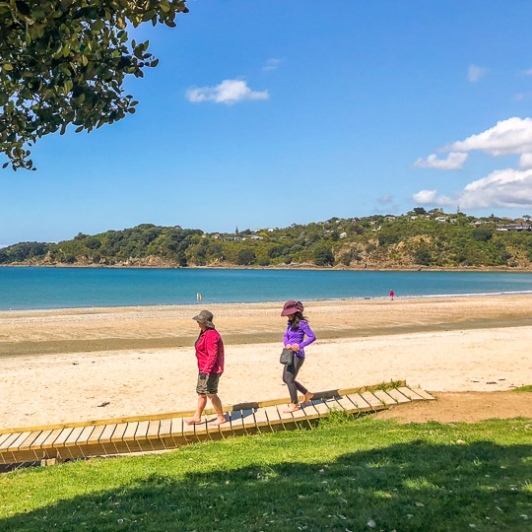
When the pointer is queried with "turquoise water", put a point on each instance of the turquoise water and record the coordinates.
(49, 288)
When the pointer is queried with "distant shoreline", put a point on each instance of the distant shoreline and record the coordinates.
(303, 266)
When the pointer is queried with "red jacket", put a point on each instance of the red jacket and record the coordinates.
(210, 352)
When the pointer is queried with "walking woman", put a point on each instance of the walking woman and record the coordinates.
(294, 339)
(210, 355)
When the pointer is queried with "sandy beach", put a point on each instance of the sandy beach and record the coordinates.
(82, 364)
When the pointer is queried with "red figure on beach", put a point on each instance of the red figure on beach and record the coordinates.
(210, 355)
(392, 294)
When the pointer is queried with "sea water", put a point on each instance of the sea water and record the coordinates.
(23, 288)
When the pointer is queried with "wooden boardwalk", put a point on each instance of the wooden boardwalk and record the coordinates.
(169, 431)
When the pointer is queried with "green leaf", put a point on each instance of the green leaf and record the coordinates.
(57, 45)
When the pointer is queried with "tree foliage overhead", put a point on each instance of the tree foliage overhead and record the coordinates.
(64, 62)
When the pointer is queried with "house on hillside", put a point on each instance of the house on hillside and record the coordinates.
(514, 227)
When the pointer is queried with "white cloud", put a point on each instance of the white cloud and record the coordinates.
(425, 197)
(508, 188)
(525, 161)
(454, 161)
(271, 64)
(528, 72)
(503, 188)
(475, 72)
(229, 91)
(511, 136)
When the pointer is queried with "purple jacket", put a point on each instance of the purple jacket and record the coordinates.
(297, 336)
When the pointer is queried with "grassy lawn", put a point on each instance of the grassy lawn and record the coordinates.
(347, 474)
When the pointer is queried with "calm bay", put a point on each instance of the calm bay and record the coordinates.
(25, 288)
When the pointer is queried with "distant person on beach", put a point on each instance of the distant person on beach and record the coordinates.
(392, 294)
(199, 297)
(210, 355)
(294, 339)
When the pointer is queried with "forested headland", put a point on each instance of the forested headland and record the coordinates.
(417, 239)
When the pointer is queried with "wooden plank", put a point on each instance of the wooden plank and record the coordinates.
(49, 442)
(15, 444)
(131, 429)
(422, 394)
(384, 398)
(182, 431)
(332, 404)
(96, 434)
(63, 436)
(274, 416)
(32, 436)
(150, 435)
(4, 437)
(177, 426)
(285, 416)
(398, 396)
(142, 430)
(165, 428)
(321, 407)
(43, 436)
(261, 420)
(300, 418)
(165, 434)
(74, 435)
(85, 435)
(107, 433)
(118, 441)
(372, 401)
(127, 439)
(248, 420)
(190, 430)
(154, 429)
(359, 402)
(6, 444)
(119, 432)
(195, 432)
(346, 405)
(236, 421)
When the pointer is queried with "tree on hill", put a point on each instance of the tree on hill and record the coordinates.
(64, 62)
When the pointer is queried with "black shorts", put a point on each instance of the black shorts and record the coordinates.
(208, 386)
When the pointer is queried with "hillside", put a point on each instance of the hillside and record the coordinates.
(414, 240)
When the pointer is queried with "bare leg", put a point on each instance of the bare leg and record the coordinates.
(217, 405)
(202, 402)
(307, 398)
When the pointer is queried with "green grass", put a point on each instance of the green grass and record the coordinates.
(392, 385)
(527, 388)
(342, 475)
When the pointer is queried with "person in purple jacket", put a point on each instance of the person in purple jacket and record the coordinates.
(294, 339)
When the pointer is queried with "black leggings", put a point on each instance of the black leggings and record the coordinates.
(289, 378)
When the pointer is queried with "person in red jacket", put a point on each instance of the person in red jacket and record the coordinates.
(210, 355)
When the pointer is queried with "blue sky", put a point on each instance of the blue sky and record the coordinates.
(264, 113)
